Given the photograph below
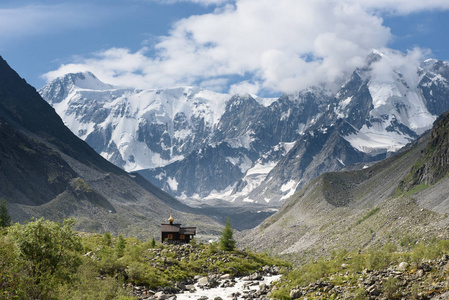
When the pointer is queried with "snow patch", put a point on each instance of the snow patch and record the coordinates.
(341, 162)
(243, 141)
(244, 163)
(375, 140)
(172, 183)
(288, 186)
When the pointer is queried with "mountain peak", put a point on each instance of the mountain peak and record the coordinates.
(62, 86)
(84, 80)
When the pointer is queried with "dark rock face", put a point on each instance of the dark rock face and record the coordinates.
(251, 133)
(434, 87)
(200, 171)
(31, 173)
(434, 164)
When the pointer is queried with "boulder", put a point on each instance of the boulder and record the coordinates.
(226, 277)
(403, 266)
(191, 288)
(295, 294)
(203, 282)
(161, 296)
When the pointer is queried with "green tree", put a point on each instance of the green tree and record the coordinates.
(5, 219)
(153, 243)
(120, 246)
(227, 241)
(47, 252)
(107, 239)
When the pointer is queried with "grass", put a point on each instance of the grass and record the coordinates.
(368, 214)
(417, 188)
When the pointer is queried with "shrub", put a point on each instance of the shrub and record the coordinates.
(407, 241)
(153, 243)
(377, 260)
(107, 239)
(47, 253)
(390, 287)
(5, 219)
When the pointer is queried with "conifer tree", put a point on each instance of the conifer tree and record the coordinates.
(120, 246)
(5, 219)
(107, 239)
(227, 242)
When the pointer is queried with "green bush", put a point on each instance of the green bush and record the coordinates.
(407, 241)
(390, 287)
(47, 253)
(377, 259)
(107, 239)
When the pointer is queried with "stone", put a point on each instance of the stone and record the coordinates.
(180, 286)
(161, 296)
(425, 267)
(295, 294)
(403, 266)
(264, 288)
(255, 276)
(373, 290)
(419, 273)
(203, 281)
(266, 269)
(226, 277)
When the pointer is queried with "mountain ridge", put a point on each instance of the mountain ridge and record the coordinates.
(386, 104)
(362, 209)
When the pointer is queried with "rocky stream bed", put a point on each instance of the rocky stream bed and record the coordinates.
(215, 287)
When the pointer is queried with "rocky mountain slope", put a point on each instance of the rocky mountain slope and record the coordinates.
(201, 145)
(385, 203)
(46, 171)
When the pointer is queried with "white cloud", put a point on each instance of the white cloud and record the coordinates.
(245, 87)
(280, 45)
(406, 64)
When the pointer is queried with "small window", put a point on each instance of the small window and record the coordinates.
(170, 236)
(182, 237)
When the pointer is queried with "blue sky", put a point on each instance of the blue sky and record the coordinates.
(255, 46)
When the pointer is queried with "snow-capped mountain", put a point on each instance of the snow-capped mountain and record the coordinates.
(135, 129)
(198, 144)
(377, 111)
